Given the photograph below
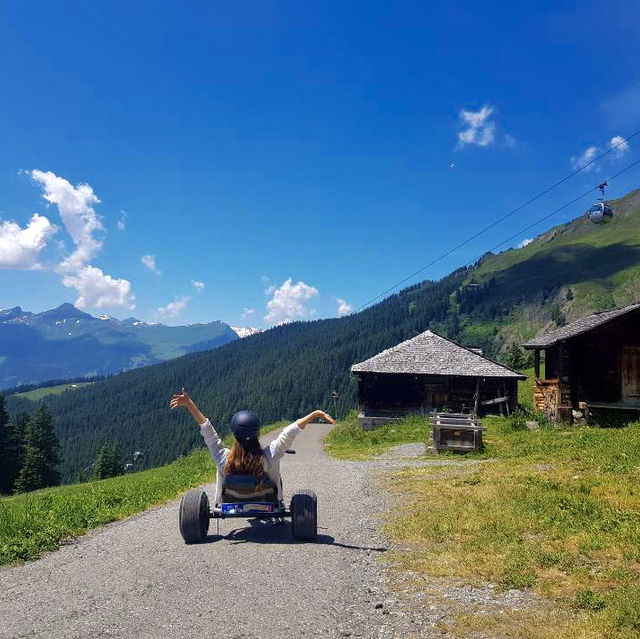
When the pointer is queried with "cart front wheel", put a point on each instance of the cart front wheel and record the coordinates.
(304, 515)
(194, 516)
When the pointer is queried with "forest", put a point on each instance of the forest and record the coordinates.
(281, 374)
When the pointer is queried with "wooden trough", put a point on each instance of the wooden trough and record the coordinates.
(455, 431)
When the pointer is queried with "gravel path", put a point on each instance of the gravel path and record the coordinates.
(136, 578)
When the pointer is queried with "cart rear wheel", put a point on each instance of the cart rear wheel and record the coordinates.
(304, 515)
(194, 516)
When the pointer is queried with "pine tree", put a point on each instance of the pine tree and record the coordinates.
(102, 465)
(5, 454)
(116, 461)
(39, 467)
(515, 358)
(108, 462)
(17, 432)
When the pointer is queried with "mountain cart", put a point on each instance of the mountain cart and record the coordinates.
(243, 498)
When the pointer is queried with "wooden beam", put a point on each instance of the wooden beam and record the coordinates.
(497, 400)
(536, 363)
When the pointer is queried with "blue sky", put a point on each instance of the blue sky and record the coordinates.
(293, 157)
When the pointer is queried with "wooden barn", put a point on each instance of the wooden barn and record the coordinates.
(429, 373)
(590, 364)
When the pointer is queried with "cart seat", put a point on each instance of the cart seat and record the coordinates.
(239, 488)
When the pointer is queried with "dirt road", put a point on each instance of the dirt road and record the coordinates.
(137, 578)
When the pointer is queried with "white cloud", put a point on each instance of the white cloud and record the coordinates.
(96, 289)
(248, 311)
(199, 286)
(174, 308)
(122, 222)
(288, 302)
(479, 129)
(525, 242)
(621, 146)
(150, 262)
(21, 247)
(509, 140)
(344, 308)
(588, 155)
(75, 205)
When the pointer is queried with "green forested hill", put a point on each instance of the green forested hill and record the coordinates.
(288, 370)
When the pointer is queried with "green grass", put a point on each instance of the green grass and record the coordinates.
(36, 522)
(348, 441)
(557, 511)
(38, 393)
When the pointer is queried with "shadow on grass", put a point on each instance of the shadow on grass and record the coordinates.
(268, 532)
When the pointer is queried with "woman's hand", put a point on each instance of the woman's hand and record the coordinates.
(180, 399)
(317, 414)
(183, 399)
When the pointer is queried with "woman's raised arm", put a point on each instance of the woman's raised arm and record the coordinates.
(317, 414)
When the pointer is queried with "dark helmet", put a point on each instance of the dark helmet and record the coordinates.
(245, 424)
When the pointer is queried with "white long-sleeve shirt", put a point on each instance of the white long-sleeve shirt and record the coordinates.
(272, 454)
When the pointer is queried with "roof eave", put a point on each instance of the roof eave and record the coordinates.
(513, 375)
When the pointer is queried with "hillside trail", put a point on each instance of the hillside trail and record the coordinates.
(137, 578)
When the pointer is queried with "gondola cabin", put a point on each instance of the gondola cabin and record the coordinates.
(591, 365)
(600, 213)
(431, 373)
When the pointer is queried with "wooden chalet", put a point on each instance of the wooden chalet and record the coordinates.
(430, 373)
(590, 364)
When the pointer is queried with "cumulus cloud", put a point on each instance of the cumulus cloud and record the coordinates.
(199, 286)
(75, 205)
(525, 242)
(289, 302)
(344, 308)
(122, 222)
(248, 311)
(96, 289)
(21, 247)
(619, 145)
(587, 156)
(173, 308)
(479, 129)
(150, 262)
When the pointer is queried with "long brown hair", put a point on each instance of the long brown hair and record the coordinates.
(246, 458)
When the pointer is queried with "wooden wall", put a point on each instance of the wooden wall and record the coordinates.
(589, 366)
(399, 394)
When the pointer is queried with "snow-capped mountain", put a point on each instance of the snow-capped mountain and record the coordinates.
(245, 331)
(66, 342)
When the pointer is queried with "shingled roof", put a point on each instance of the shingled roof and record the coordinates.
(430, 354)
(579, 327)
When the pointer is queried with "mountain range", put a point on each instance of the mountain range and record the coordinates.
(505, 298)
(66, 342)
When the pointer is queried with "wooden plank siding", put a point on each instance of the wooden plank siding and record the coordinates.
(399, 395)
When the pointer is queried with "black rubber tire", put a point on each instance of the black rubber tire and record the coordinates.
(194, 516)
(304, 515)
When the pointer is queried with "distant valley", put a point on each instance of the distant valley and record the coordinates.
(66, 342)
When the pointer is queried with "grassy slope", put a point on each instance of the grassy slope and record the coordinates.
(39, 393)
(558, 512)
(33, 523)
(601, 264)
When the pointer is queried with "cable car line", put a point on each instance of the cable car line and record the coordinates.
(546, 217)
(499, 220)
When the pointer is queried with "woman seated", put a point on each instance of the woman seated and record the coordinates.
(246, 456)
